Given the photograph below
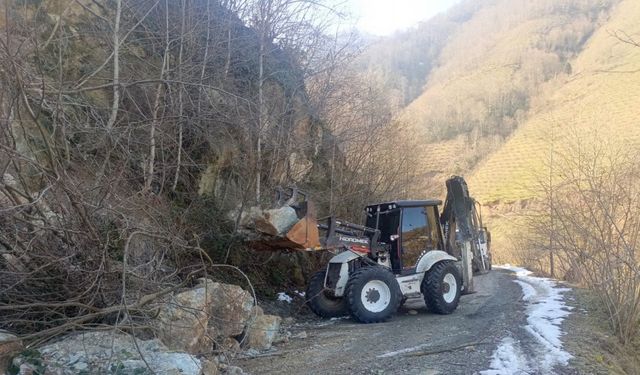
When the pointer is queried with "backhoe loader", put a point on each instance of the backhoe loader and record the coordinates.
(405, 249)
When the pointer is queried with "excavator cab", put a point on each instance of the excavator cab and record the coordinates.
(408, 228)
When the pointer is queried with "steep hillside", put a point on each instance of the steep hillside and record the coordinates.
(598, 101)
(406, 59)
(129, 130)
(489, 69)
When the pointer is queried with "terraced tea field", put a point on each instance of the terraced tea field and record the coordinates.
(599, 105)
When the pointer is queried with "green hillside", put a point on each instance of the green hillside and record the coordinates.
(598, 102)
(507, 84)
(495, 67)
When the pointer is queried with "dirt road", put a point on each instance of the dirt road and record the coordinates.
(415, 343)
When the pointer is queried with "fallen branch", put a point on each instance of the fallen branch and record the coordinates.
(76, 322)
(443, 350)
(263, 355)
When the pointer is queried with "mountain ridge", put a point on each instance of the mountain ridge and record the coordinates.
(542, 75)
(595, 107)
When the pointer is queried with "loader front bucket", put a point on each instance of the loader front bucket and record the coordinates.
(304, 234)
(292, 225)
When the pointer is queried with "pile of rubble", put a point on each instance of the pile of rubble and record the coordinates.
(196, 332)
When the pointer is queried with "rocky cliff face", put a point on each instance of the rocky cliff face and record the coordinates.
(128, 128)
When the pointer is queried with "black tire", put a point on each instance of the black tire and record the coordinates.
(480, 267)
(435, 288)
(321, 302)
(403, 300)
(373, 294)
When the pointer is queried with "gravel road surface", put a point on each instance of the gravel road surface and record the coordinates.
(415, 341)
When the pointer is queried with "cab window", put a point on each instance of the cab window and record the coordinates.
(435, 236)
(415, 233)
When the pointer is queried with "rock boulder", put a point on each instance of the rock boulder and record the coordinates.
(271, 222)
(9, 347)
(183, 321)
(231, 308)
(110, 352)
(276, 221)
(195, 319)
(262, 330)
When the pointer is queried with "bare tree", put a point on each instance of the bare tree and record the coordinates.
(594, 205)
(280, 24)
(116, 67)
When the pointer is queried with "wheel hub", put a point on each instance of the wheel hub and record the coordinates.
(449, 288)
(373, 295)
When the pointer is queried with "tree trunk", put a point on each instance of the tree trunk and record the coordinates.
(180, 99)
(261, 115)
(116, 68)
(156, 106)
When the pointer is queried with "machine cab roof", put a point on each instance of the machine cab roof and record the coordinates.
(386, 206)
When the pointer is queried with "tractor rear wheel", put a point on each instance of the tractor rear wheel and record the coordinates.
(441, 287)
(320, 300)
(373, 294)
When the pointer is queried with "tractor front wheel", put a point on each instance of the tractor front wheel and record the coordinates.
(320, 300)
(441, 287)
(373, 294)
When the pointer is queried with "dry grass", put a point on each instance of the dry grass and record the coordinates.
(600, 101)
(595, 350)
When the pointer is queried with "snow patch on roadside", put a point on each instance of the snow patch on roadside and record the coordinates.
(284, 297)
(508, 359)
(546, 309)
(528, 290)
(331, 321)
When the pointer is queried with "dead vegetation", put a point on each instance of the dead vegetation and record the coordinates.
(595, 349)
(587, 229)
(109, 115)
(130, 129)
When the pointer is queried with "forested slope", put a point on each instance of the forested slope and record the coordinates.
(596, 107)
(493, 64)
(134, 134)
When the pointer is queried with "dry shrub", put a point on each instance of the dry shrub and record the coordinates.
(590, 222)
(69, 261)
(110, 115)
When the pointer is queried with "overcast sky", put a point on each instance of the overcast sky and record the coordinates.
(382, 17)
